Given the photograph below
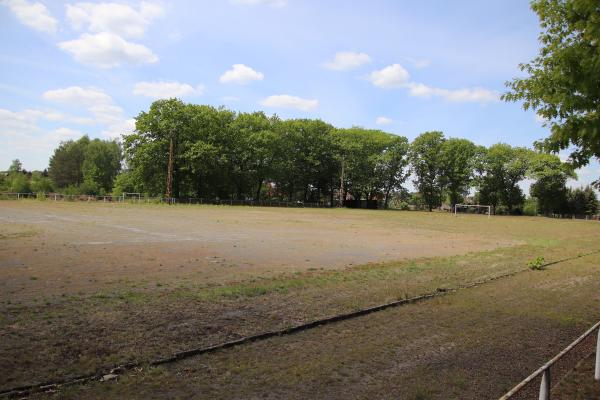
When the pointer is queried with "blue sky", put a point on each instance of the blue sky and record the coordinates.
(406, 67)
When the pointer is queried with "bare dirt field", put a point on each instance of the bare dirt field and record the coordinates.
(85, 286)
(98, 244)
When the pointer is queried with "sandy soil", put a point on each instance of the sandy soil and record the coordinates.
(68, 248)
(86, 286)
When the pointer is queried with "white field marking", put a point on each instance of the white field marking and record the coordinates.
(136, 241)
(153, 236)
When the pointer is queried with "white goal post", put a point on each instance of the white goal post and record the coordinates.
(457, 206)
(135, 196)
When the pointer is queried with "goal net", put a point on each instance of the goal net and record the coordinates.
(472, 209)
(131, 196)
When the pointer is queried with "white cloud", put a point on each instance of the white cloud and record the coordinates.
(106, 113)
(287, 101)
(119, 19)
(76, 95)
(115, 130)
(166, 90)
(95, 101)
(419, 63)
(26, 120)
(62, 134)
(21, 137)
(107, 50)
(34, 15)
(241, 74)
(346, 60)
(53, 115)
(273, 3)
(395, 76)
(383, 121)
(459, 95)
(12, 123)
(392, 76)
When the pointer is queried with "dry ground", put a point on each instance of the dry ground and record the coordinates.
(85, 286)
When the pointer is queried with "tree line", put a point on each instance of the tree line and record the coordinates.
(198, 151)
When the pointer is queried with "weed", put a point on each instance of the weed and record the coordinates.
(537, 264)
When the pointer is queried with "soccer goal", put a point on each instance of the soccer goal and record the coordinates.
(476, 206)
(131, 196)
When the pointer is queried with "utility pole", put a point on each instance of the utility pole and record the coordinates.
(341, 200)
(170, 171)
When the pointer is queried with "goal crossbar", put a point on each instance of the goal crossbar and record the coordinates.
(489, 208)
(136, 196)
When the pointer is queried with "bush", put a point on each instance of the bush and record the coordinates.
(404, 206)
(537, 264)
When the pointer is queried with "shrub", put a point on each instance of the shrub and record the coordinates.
(537, 264)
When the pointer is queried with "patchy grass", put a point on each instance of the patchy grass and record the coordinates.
(445, 348)
(108, 306)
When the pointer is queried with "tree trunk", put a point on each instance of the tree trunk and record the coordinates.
(387, 199)
(260, 181)
(331, 193)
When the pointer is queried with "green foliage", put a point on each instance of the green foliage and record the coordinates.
(219, 153)
(530, 206)
(375, 162)
(67, 161)
(581, 201)
(501, 168)
(457, 160)
(90, 165)
(426, 159)
(550, 186)
(40, 183)
(102, 162)
(15, 166)
(17, 182)
(562, 81)
(537, 264)
(124, 183)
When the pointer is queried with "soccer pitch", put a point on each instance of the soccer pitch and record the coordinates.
(88, 286)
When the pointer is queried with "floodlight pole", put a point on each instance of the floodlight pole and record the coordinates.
(170, 170)
(341, 200)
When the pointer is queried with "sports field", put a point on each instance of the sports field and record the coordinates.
(87, 286)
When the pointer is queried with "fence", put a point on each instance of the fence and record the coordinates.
(160, 200)
(558, 366)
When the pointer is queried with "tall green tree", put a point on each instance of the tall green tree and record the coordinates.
(502, 168)
(391, 169)
(15, 166)
(562, 81)
(549, 188)
(582, 201)
(154, 148)
(102, 163)
(66, 164)
(458, 158)
(426, 159)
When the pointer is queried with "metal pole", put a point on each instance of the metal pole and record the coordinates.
(597, 371)
(545, 385)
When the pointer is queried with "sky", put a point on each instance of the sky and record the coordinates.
(405, 67)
